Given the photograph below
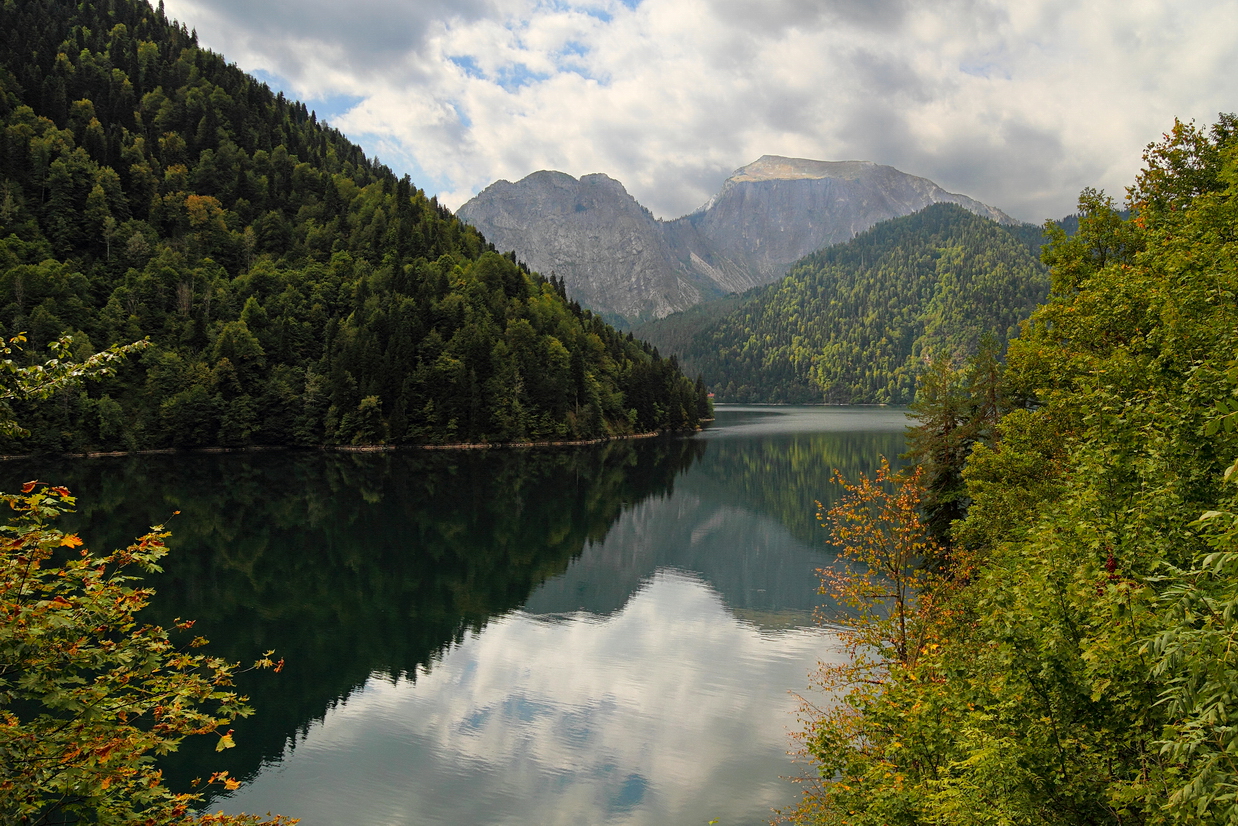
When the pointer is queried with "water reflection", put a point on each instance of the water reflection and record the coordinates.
(743, 515)
(670, 711)
(351, 565)
(778, 461)
(598, 635)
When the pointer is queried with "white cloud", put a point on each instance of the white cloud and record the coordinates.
(1018, 104)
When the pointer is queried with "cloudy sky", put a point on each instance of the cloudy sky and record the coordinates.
(1020, 104)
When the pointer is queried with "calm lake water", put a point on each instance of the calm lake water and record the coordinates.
(601, 635)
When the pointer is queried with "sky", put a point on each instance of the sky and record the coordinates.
(1019, 104)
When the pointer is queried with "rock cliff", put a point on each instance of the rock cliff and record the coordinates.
(775, 211)
(619, 260)
(615, 257)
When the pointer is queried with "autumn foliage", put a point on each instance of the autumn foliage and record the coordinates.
(888, 610)
(877, 529)
(90, 696)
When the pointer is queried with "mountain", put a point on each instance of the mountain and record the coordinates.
(776, 210)
(858, 321)
(294, 291)
(616, 258)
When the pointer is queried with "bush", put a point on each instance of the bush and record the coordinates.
(90, 697)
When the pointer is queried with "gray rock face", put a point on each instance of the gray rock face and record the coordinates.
(616, 258)
(612, 253)
(775, 211)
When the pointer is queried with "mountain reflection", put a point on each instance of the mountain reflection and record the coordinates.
(649, 576)
(779, 461)
(667, 712)
(743, 515)
(351, 564)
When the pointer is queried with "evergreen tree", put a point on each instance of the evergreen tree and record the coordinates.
(859, 322)
(148, 189)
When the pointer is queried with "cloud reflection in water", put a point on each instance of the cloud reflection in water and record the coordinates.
(668, 711)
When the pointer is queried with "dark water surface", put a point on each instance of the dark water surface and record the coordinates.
(599, 635)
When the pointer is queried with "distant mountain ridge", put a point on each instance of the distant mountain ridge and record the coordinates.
(620, 260)
(773, 212)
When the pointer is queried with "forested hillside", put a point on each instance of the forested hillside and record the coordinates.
(857, 322)
(1074, 659)
(294, 291)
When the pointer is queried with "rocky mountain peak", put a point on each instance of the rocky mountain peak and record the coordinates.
(776, 167)
(616, 258)
(610, 250)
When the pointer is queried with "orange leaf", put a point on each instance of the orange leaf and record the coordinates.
(29, 486)
(71, 541)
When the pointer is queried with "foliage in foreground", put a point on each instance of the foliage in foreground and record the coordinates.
(88, 695)
(1080, 667)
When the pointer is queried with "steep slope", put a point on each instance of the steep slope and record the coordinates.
(617, 259)
(294, 291)
(857, 322)
(611, 252)
(776, 210)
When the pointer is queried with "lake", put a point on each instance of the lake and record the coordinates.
(612, 634)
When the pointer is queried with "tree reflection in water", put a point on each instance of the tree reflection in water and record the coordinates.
(364, 569)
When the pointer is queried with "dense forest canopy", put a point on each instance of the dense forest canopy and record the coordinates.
(859, 321)
(295, 292)
(1076, 659)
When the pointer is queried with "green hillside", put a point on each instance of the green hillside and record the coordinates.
(857, 322)
(295, 292)
(1077, 661)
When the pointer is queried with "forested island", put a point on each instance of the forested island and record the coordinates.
(293, 291)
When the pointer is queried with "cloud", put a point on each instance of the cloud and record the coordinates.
(1018, 104)
(296, 33)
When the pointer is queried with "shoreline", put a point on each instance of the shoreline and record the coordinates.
(346, 448)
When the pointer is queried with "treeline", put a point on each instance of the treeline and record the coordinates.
(857, 322)
(1073, 658)
(294, 291)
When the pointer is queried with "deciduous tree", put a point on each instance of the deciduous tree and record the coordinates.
(90, 696)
